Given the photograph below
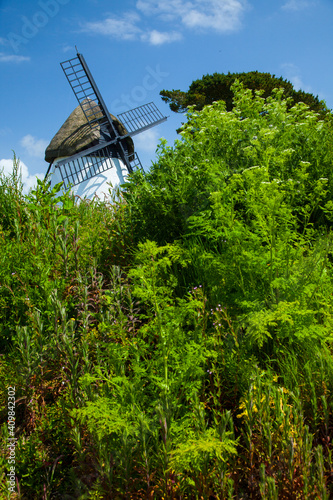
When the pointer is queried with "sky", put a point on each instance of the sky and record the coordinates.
(135, 49)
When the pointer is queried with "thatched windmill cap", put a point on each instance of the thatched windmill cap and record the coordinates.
(76, 135)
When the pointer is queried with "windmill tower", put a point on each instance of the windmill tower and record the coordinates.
(94, 148)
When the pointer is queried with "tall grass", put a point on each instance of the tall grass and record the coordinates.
(175, 343)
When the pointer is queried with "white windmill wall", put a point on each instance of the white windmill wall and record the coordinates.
(98, 185)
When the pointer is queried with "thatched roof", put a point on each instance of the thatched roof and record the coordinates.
(76, 135)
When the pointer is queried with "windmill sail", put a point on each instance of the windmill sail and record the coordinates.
(93, 161)
(110, 146)
(86, 91)
(141, 118)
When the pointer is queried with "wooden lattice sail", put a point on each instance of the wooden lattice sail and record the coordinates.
(93, 148)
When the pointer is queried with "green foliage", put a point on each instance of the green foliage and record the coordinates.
(176, 342)
(216, 145)
(218, 87)
(11, 198)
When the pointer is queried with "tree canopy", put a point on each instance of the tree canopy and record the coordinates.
(217, 87)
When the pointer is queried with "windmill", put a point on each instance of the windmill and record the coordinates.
(94, 148)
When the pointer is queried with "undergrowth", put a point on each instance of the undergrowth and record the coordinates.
(176, 342)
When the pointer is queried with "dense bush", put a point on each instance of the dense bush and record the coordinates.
(175, 343)
(218, 87)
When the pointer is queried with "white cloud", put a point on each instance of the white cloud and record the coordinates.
(4, 131)
(297, 83)
(293, 74)
(147, 141)
(124, 28)
(12, 58)
(67, 48)
(33, 146)
(295, 5)
(155, 37)
(220, 15)
(29, 181)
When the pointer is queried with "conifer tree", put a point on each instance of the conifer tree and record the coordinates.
(217, 87)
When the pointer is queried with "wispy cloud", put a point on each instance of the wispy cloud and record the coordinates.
(29, 181)
(67, 48)
(147, 141)
(12, 58)
(295, 5)
(4, 131)
(155, 37)
(126, 28)
(293, 74)
(33, 146)
(220, 15)
(123, 28)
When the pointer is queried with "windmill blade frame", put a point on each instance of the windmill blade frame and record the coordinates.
(85, 88)
(142, 118)
(111, 145)
(87, 94)
(91, 162)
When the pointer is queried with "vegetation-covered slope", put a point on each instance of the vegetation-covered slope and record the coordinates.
(177, 343)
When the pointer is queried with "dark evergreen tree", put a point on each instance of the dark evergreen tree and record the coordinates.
(217, 87)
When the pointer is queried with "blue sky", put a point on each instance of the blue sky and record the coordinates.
(135, 48)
